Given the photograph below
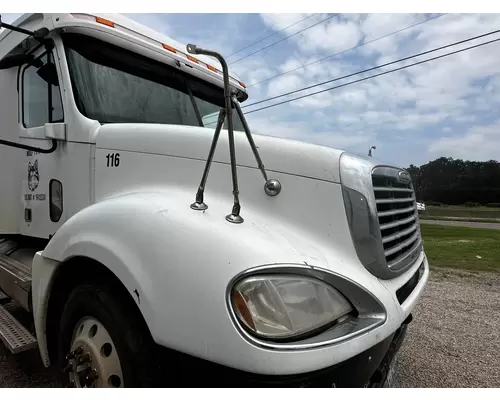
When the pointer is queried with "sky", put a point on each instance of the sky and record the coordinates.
(447, 107)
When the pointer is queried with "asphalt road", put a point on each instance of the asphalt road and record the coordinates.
(490, 225)
(453, 341)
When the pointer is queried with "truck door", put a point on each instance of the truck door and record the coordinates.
(41, 118)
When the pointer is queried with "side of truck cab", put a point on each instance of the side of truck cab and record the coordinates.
(154, 239)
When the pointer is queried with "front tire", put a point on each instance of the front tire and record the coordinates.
(104, 341)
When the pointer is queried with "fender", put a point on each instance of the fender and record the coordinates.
(142, 243)
(177, 266)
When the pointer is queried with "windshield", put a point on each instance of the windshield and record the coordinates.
(113, 85)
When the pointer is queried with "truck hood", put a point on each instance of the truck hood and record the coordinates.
(278, 155)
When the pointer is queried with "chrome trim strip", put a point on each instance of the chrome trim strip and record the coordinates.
(410, 255)
(399, 234)
(398, 200)
(397, 211)
(391, 189)
(402, 245)
(387, 172)
(397, 223)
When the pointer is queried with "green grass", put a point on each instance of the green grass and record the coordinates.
(461, 212)
(462, 219)
(458, 247)
(450, 207)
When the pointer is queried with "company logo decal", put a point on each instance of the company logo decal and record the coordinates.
(33, 176)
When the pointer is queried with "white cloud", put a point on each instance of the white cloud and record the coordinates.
(279, 21)
(290, 64)
(332, 36)
(378, 25)
(478, 143)
(284, 84)
(300, 131)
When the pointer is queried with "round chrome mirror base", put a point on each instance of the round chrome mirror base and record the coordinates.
(272, 187)
(199, 206)
(235, 219)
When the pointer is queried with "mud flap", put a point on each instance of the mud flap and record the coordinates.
(391, 373)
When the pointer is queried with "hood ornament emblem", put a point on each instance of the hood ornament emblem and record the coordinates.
(404, 177)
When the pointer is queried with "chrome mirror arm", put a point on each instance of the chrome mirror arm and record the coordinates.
(234, 217)
(272, 187)
(249, 137)
(199, 204)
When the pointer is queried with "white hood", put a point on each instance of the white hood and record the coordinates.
(279, 155)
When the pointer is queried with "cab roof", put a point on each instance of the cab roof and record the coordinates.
(207, 68)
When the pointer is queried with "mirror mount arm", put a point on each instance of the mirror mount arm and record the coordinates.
(199, 203)
(234, 217)
(39, 34)
(272, 187)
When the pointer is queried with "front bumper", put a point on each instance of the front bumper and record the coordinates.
(368, 369)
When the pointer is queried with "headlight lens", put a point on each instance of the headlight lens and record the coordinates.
(281, 307)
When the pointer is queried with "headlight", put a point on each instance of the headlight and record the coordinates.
(281, 307)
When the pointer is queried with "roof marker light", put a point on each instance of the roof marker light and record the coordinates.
(192, 59)
(169, 48)
(104, 21)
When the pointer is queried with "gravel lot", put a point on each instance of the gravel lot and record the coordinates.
(453, 341)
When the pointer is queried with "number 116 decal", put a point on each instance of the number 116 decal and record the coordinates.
(112, 159)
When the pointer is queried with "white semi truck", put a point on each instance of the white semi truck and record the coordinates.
(156, 242)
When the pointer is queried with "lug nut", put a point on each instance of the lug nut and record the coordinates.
(74, 353)
(82, 367)
(85, 358)
(92, 376)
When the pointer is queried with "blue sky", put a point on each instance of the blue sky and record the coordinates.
(447, 107)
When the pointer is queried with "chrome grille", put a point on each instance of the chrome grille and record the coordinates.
(397, 216)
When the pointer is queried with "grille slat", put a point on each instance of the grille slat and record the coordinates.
(397, 223)
(399, 235)
(413, 248)
(397, 215)
(402, 245)
(398, 200)
(391, 189)
(396, 211)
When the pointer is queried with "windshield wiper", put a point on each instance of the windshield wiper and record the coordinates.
(272, 187)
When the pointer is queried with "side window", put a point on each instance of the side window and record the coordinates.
(41, 95)
(55, 200)
(209, 118)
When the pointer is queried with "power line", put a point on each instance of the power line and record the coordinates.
(374, 76)
(346, 50)
(271, 35)
(371, 69)
(285, 38)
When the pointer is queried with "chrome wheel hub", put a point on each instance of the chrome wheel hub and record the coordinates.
(93, 360)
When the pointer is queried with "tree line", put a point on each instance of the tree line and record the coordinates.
(456, 182)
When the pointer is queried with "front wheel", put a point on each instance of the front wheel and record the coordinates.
(103, 342)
